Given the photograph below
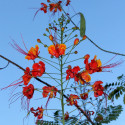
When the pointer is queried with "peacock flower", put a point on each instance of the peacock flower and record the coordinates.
(28, 91)
(84, 96)
(33, 53)
(38, 112)
(38, 69)
(98, 88)
(85, 75)
(55, 6)
(44, 7)
(66, 115)
(68, 2)
(57, 50)
(72, 99)
(27, 76)
(52, 90)
(72, 72)
(96, 65)
(93, 66)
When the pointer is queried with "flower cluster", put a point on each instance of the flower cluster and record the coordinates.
(60, 50)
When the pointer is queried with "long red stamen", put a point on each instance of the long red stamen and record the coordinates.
(112, 65)
(18, 48)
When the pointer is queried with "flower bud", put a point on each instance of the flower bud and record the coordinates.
(44, 34)
(51, 37)
(45, 45)
(76, 41)
(62, 28)
(38, 40)
(76, 52)
(68, 21)
(84, 37)
(69, 67)
(47, 29)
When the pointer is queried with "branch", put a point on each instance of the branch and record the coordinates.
(77, 106)
(91, 40)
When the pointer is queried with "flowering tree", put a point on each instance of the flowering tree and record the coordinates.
(71, 84)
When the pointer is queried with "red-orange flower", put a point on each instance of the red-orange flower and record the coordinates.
(55, 6)
(44, 7)
(72, 73)
(33, 53)
(93, 66)
(68, 2)
(27, 76)
(84, 96)
(28, 91)
(38, 69)
(66, 115)
(57, 50)
(72, 99)
(85, 75)
(38, 112)
(52, 90)
(98, 88)
(96, 65)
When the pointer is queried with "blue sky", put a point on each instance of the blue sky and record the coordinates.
(105, 23)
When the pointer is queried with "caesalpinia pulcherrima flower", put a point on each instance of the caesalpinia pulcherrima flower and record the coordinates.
(27, 76)
(66, 115)
(31, 54)
(55, 6)
(44, 7)
(72, 72)
(38, 69)
(24, 79)
(98, 88)
(96, 65)
(28, 91)
(72, 99)
(57, 50)
(85, 76)
(68, 2)
(84, 96)
(38, 112)
(49, 90)
(52, 90)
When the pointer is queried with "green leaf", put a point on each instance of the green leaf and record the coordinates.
(116, 92)
(82, 25)
(109, 114)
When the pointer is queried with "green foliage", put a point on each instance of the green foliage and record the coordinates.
(42, 122)
(58, 116)
(109, 114)
(117, 88)
(82, 25)
(117, 92)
